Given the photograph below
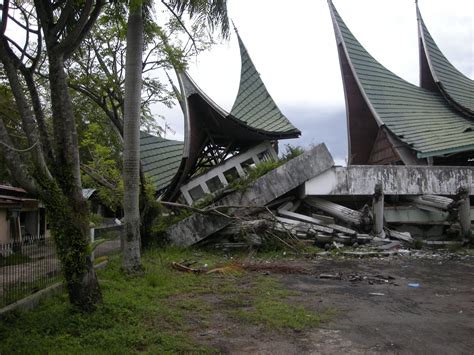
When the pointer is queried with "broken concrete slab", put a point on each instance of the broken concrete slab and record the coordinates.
(262, 191)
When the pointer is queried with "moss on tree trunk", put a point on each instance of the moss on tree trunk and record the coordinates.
(68, 217)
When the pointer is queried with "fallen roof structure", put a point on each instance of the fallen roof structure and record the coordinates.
(391, 121)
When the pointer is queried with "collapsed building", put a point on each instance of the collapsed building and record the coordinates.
(218, 146)
(410, 163)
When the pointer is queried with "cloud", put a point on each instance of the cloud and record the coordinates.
(319, 125)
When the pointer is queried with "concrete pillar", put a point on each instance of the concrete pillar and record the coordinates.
(205, 188)
(377, 209)
(92, 235)
(464, 212)
(222, 179)
(240, 170)
(187, 196)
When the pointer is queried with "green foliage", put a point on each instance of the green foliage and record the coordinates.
(151, 211)
(292, 152)
(11, 119)
(100, 148)
(210, 13)
(418, 244)
(259, 170)
(262, 168)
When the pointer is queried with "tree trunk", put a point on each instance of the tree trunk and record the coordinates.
(131, 146)
(69, 221)
(69, 211)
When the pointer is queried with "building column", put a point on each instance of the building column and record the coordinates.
(377, 209)
(464, 212)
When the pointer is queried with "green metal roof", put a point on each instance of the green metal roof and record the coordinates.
(160, 159)
(254, 106)
(420, 118)
(455, 84)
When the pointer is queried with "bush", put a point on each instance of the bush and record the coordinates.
(292, 152)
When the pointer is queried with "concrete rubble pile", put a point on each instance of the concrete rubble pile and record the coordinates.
(308, 200)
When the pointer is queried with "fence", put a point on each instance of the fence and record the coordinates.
(26, 267)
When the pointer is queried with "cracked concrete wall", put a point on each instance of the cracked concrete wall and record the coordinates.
(262, 191)
(396, 180)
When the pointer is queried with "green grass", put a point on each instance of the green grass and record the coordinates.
(154, 313)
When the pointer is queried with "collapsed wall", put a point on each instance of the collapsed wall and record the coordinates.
(353, 202)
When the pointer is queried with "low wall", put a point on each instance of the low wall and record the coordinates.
(396, 180)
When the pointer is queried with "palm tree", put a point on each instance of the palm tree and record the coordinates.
(212, 12)
(131, 135)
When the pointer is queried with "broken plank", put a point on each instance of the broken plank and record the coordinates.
(300, 217)
(340, 212)
(306, 225)
(324, 238)
(344, 239)
(403, 236)
(342, 229)
(326, 219)
(432, 202)
(314, 221)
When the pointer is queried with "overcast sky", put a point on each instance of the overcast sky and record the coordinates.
(292, 45)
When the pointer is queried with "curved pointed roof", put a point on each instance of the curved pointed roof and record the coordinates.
(160, 159)
(454, 85)
(253, 104)
(416, 116)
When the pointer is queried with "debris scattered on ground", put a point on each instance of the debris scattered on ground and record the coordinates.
(272, 210)
(355, 277)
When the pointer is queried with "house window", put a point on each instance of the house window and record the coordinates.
(196, 193)
(214, 184)
(248, 165)
(264, 156)
(231, 174)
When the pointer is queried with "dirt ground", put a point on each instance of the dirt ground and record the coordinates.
(374, 310)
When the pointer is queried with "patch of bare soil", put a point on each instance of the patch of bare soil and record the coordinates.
(396, 305)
